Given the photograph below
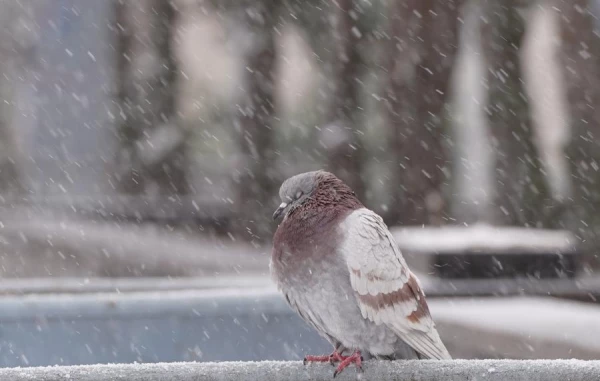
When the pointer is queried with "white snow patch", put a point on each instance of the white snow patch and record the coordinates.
(483, 238)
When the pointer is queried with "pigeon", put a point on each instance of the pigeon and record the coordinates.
(339, 267)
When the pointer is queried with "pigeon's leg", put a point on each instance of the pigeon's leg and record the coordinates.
(334, 357)
(308, 359)
(355, 358)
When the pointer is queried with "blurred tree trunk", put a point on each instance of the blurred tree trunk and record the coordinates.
(152, 145)
(423, 47)
(10, 177)
(581, 62)
(18, 40)
(522, 193)
(334, 32)
(257, 186)
(341, 135)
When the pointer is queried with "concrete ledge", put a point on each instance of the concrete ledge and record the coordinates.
(457, 370)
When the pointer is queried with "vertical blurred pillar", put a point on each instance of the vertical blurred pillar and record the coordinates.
(152, 144)
(424, 39)
(341, 136)
(522, 194)
(10, 178)
(256, 187)
(334, 33)
(580, 31)
(18, 38)
(472, 174)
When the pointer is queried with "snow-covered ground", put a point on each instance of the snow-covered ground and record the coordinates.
(66, 246)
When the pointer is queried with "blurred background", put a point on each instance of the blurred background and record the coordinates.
(143, 142)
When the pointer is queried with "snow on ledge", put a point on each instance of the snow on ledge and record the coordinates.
(485, 239)
(456, 370)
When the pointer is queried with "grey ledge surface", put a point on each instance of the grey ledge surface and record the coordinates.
(500, 370)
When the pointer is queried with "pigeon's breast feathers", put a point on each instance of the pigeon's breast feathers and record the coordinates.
(316, 219)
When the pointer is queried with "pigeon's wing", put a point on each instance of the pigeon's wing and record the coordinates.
(386, 290)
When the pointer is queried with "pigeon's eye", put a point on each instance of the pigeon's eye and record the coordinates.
(298, 194)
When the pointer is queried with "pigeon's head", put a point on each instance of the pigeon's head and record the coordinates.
(295, 190)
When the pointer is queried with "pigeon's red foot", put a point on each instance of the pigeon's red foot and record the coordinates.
(334, 357)
(355, 358)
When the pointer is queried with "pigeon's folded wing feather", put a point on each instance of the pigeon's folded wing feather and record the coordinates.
(387, 292)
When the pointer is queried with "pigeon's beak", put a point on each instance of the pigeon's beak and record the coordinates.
(279, 210)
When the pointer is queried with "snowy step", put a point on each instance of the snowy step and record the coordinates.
(520, 327)
(62, 246)
(582, 288)
(483, 251)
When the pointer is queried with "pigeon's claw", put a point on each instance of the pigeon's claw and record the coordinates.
(355, 358)
(336, 357)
